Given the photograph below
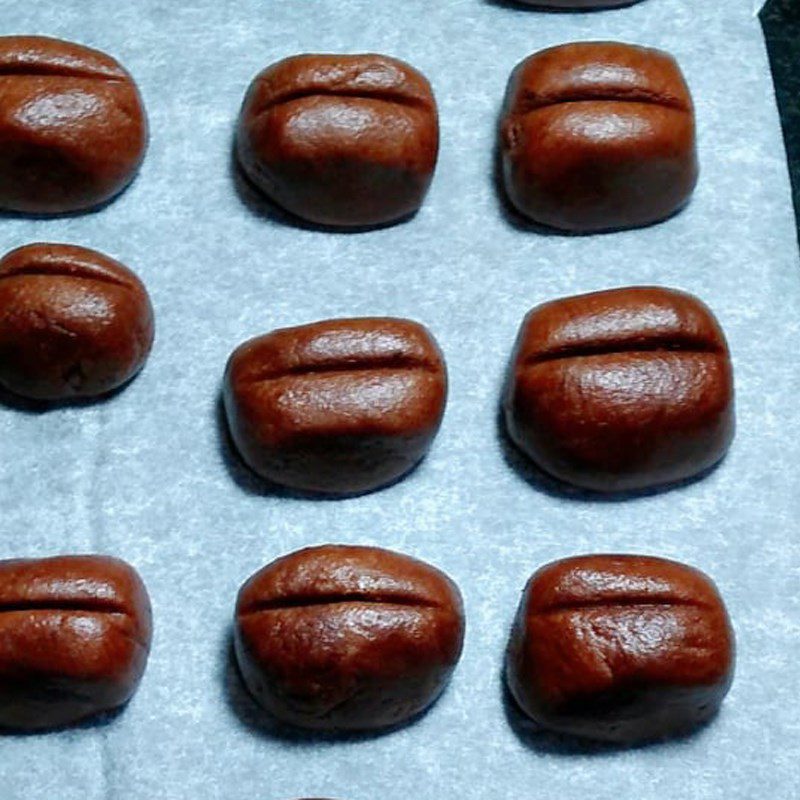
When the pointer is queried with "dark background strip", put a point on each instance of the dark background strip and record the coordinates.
(781, 22)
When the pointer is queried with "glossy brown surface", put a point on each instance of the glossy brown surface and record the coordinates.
(347, 638)
(577, 4)
(74, 638)
(620, 648)
(623, 389)
(73, 322)
(72, 126)
(598, 136)
(340, 140)
(340, 406)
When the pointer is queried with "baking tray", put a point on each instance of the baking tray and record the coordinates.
(148, 474)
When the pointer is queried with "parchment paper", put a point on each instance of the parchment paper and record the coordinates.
(148, 475)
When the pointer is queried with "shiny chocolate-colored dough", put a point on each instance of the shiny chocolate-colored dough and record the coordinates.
(621, 390)
(620, 648)
(340, 406)
(74, 639)
(340, 140)
(72, 126)
(347, 638)
(73, 322)
(598, 136)
(577, 4)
